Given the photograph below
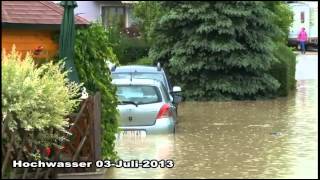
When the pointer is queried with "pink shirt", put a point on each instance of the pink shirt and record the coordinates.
(302, 36)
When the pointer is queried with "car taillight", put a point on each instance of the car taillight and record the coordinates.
(164, 112)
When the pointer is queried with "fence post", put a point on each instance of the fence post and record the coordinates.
(97, 126)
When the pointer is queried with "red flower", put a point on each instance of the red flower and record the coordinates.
(38, 50)
(47, 151)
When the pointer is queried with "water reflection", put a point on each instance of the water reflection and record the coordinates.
(158, 147)
(239, 139)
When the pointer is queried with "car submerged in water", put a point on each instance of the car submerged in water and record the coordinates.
(145, 107)
(148, 72)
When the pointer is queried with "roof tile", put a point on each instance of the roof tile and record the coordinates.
(34, 12)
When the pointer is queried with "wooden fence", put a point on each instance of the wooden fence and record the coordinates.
(84, 144)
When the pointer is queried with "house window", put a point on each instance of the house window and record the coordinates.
(131, 20)
(113, 15)
(302, 17)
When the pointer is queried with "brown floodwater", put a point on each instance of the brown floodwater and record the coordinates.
(237, 139)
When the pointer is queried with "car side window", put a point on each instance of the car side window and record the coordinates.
(165, 93)
(166, 77)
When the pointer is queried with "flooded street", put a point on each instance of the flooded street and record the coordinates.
(238, 139)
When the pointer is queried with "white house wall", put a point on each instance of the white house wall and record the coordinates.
(297, 8)
(91, 10)
(88, 10)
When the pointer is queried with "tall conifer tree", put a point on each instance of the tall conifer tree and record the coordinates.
(217, 50)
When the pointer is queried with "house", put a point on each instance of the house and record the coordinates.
(33, 26)
(305, 14)
(109, 12)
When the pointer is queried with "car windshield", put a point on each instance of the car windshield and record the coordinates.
(138, 94)
(137, 75)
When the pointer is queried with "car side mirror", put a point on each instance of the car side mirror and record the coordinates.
(176, 89)
(177, 99)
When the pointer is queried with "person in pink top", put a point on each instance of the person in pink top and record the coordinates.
(302, 38)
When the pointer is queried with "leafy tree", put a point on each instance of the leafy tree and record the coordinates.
(283, 18)
(217, 50)
(147, 14)
(92, 49)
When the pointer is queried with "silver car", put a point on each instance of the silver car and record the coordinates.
(147, 72)
(145, 107)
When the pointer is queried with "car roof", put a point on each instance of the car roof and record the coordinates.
(137, 68)
(136, 82)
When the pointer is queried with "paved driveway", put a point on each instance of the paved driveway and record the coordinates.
(307, 66)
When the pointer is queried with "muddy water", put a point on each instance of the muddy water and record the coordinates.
(239, 139)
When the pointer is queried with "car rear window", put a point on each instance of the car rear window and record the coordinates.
(139, 94)
(120, 76)
(138, 75)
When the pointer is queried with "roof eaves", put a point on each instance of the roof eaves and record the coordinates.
(60, 10)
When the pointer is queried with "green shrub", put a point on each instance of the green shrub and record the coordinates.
(92, 47)
(127, 49)
(284, 69)
(36, 99)
(143, 61)
(283, 18)
(40, 61)
(131, 49)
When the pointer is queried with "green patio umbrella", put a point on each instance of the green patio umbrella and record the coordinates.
(67, 39)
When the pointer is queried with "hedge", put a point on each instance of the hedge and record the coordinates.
(143, 61)
(92, 48)
(130, 50)
(284, 70)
